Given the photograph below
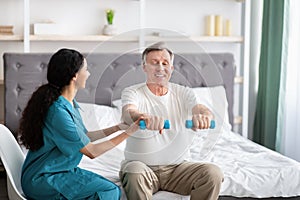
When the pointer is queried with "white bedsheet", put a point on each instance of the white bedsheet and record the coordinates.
(250, 170)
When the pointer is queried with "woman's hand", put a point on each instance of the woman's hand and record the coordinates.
(133, 127)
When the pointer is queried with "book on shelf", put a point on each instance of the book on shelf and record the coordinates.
(6, 30)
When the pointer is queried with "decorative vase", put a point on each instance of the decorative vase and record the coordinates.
(109, 29)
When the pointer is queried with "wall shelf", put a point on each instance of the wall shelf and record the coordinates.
(239, 79)
(100, 38)
(238, 120)
(229, 39)
(10, 38)
(82, 38)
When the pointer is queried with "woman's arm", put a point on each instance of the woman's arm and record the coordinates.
(130, 113)
(96, 135)
(94, 150)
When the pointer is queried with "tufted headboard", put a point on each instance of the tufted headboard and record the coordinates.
(110, 74)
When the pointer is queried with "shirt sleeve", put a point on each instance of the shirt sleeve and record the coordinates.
(66, 135)
(129, 96)
(190, 98)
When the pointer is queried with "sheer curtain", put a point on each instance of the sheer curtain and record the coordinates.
(255, 38)
(288, 129)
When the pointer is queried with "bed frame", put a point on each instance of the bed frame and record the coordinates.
(110, 74)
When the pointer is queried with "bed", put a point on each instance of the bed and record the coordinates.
(251, 171)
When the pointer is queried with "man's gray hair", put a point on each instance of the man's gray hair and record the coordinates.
(159, 46)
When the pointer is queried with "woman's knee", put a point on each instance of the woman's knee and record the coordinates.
(114, 193)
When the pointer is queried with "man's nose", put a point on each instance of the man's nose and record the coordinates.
(160, 66)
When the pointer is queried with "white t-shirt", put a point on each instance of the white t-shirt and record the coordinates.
(171, 147)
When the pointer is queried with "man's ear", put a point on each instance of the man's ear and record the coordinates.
(172, 68)
(144, 67)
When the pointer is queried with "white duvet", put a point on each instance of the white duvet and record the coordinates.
(250, 170)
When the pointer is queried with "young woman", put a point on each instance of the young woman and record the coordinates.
(52, 129)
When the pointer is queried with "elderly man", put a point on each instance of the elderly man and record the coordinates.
(157, 159)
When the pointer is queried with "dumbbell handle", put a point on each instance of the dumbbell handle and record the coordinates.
(189, 124)
(142, 124)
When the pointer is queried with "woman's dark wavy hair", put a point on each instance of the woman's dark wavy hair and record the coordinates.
(62, 67)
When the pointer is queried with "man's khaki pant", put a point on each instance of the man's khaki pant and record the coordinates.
(200, 180)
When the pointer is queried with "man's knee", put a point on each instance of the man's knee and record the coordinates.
(214, 174)
(134, 172)
(136, 180)
(134, 167)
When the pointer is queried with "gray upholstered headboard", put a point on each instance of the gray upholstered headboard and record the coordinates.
(110, 74)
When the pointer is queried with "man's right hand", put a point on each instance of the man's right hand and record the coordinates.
(130, 113)
(154, 122)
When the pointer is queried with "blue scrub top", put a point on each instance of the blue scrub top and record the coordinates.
(51, 172)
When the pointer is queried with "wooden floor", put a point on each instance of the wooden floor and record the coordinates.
(3, 190)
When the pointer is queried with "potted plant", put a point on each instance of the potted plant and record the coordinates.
(110, 16)
(109, 28)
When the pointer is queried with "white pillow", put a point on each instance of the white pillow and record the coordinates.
(215, 99)
(117, 104)
(97, 117)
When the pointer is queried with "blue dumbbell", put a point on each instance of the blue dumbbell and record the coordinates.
(142, 124)
(189, 124)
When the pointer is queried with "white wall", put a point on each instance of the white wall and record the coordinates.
(79, 17)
